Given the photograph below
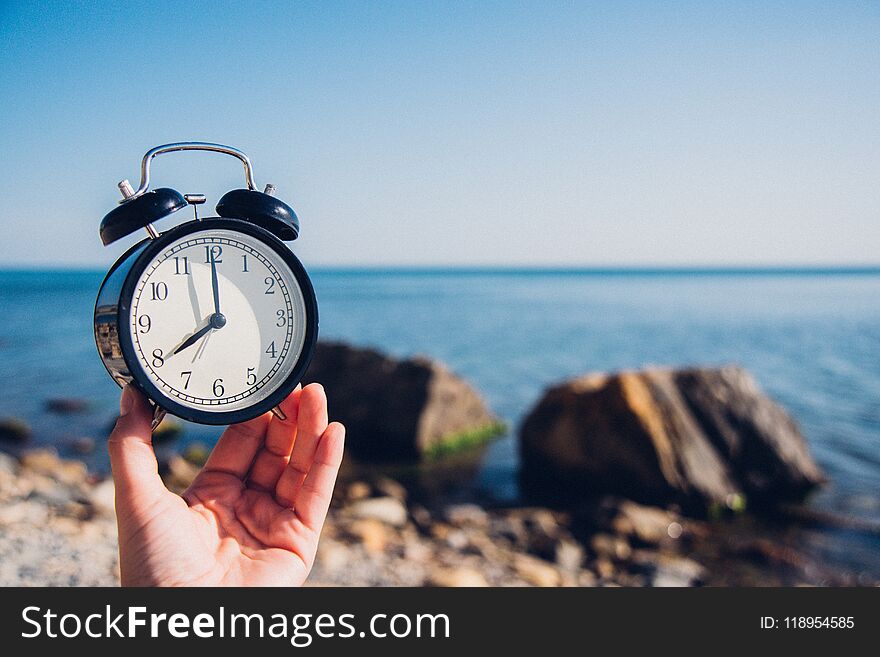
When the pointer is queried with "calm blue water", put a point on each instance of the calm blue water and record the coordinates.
(811, 339)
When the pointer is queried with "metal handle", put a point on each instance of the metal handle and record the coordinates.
(190, 146)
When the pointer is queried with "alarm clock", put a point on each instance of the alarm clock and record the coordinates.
(214, 319)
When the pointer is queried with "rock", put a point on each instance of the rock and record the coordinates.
(384, 509)
(610, 547)
(14, 430)
(102, 497)
(46, 462)
(83, 445)
(456, 539)
(8, 464)
(67, 405)
(542, 532)
(421, 517)
(605, 568)
(667, 570)
(399, 409)
(371, 533)
(699, 437)
(456, 577)
(180, 473)
(197, 453)
(466, 514)
(11, 514)
(390, 488)
(536, 571)
(647, 524)
(769, 456)
(358, 490)
(569, 555)
(333, 556)
(169, 429)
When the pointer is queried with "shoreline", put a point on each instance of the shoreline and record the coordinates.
(57, 528)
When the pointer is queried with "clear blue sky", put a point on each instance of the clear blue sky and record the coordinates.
(445, 133)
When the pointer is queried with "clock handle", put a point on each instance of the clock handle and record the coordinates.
(186, 146)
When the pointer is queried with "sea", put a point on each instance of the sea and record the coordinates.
(811, 337)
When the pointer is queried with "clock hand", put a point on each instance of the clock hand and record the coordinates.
(214, 285)
(201, 350)
(191, 340)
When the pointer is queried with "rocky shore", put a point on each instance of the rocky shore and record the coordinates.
(57, 528)
(658, 477)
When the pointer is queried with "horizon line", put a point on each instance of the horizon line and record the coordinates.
(527, 269)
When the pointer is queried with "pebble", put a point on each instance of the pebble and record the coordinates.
(181, 473)
(648, 524)
(389, 510)
(102, 497)
(46, 462)
(390, 488)
(612, 547)
(358, 490)
(536, 571)
(466, 514)
(456, 577)
(8, 464)
(371, 533)
(569, 555)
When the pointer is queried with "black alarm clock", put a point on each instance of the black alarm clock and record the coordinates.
(215, 319)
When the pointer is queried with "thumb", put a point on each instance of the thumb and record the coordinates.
(135, 470)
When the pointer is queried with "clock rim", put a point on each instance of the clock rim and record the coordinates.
(126, 342)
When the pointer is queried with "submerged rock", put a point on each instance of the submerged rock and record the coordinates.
(399, 409)
(14, 430)
(169, 429)
(67, 405)
(701, 437)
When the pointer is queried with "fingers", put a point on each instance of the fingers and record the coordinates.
(132, 460)
(313, 497)
(237, 447)
(280, 436)
(311, 424)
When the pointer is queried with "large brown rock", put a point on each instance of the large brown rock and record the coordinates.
(398, 409)
(695, 436)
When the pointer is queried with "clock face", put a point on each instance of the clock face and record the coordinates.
(217, 320)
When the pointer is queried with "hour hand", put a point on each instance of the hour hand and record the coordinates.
(191, 340)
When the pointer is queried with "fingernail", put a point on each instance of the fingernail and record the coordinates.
(126, 401)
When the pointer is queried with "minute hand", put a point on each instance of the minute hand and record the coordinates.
(214, 285)
(191, 340)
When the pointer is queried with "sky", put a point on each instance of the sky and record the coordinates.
(457, 134)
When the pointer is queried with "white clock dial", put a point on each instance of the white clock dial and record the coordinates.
(218, 358)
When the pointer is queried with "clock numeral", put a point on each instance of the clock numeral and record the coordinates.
(271, 349)
(158, 360)
(251, 376)
(282, 318)
(218, 388)
(159, 291)
(188, 376)
(213, 253)
(177, 263)
(244, 267)
(145, 323)
(271, 283)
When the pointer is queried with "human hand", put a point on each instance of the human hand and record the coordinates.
(253, 515)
